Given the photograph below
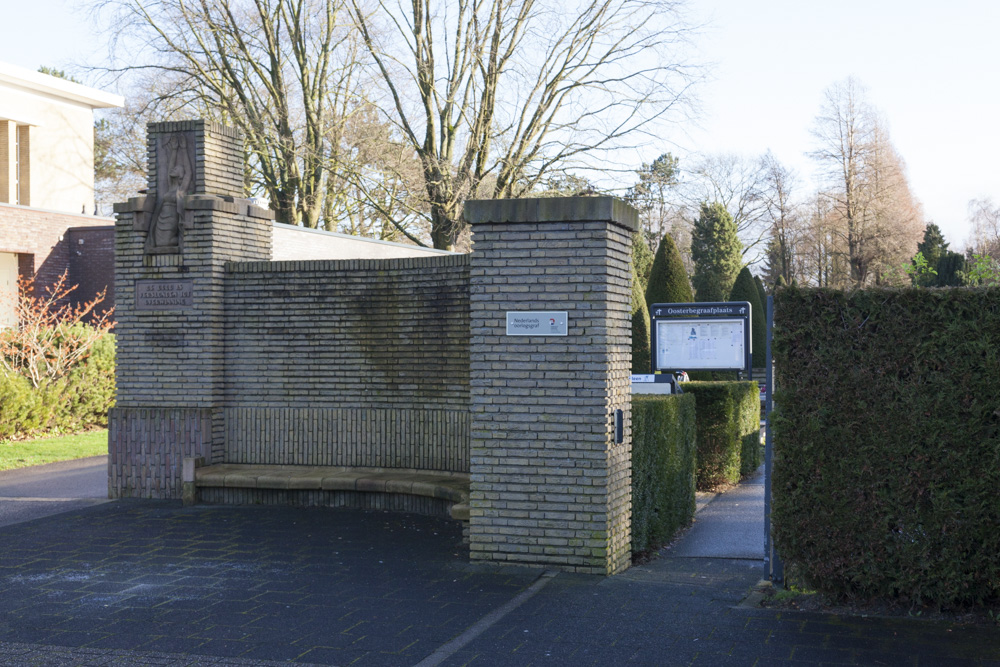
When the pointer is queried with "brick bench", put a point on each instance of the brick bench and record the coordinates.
(449, 486)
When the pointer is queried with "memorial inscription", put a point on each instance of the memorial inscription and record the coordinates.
(164, 294)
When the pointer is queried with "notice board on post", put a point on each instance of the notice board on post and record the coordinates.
(711, 336)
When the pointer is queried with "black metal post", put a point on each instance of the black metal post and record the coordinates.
(776, 570)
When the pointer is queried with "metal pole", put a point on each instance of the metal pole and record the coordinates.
(773, 561)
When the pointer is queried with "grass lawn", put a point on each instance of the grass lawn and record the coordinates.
(36, 452)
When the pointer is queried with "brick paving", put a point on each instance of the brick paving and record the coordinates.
(152, 583)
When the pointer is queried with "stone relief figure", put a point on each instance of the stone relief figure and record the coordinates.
(165, 225)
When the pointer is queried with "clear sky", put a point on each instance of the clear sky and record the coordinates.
(931, 67)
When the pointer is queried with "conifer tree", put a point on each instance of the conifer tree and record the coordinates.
(642, 259)
(716, 251)
(745, 289)
(668, 281)
(761, 292)
(640, 328)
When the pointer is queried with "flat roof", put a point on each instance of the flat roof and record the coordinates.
(57, 87)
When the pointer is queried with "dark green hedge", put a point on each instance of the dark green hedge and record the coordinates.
(663, 468)
(728, 430)
(887, 442)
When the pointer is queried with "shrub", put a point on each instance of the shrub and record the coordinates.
(57, 372)
(90, 388)
(663, 468)
(19, 405)
(728, 416)
(886, 442)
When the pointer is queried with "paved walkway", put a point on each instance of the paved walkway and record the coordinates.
(153, 583)
(731, 525)
(38, 491)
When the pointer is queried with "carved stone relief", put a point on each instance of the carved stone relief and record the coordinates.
(175, 179)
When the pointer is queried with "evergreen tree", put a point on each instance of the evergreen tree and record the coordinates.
(668, 281)
(781, 282)
(761, 291)
(745, 289)
(933, 247)
(716, 251)
(640, 328)
(642, 259)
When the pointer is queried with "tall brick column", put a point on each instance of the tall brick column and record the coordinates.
(550, 486)
(169, 291)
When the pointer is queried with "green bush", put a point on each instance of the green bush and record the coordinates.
(663, 468)
(19, 406)
(728, 430)
(78, 401)
(887, 442)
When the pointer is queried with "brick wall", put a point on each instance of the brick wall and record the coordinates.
(91, 253)
(549, 485)
(41, 239)
(349, 362)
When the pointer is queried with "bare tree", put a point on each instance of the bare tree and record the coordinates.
(879, 219)
(985, 218)
(784, 218)
(119, 156)
(494, 94)
(285, 72)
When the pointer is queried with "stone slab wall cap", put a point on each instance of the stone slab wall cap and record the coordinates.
(552, 209)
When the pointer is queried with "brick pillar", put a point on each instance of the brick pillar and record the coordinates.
(169, 308)
(550, 487)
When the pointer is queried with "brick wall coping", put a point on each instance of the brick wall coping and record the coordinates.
(552, 209)
(452, 486)
(386, 264)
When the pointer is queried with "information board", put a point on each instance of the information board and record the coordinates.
(701, 336)
(699, 344)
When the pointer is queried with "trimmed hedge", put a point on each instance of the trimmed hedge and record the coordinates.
(663, 468)
(728, 431)
(887, 442)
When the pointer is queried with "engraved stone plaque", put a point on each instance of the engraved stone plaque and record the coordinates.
(164, 294)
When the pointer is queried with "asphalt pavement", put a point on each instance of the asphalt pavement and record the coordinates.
(730, 525)
(39, 491)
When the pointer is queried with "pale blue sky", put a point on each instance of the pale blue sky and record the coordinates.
(931, 67)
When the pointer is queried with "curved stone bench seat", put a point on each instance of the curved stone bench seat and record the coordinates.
(449, 486)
